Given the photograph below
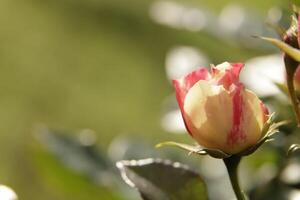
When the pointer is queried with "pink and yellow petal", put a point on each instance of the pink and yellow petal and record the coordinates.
(208, 109)
(227, 74)
(183, 85)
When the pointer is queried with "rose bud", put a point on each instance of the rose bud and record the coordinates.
(218, 111)
(290, 46)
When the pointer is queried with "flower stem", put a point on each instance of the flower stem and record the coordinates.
(291, 70)
(231, 164)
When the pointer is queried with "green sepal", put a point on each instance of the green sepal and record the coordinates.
(282, 87)
(289, 50)
(196, 149)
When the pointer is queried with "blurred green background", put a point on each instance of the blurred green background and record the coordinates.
(76, 64)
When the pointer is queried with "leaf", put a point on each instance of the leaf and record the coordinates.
(272, 189)
(293, 148)
(76, 155)
(157, 179)
(296, 2)
(196, 149)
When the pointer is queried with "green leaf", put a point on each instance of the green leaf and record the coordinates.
(157, 179)
(296, 2)
(273, 189)
(77, 156)
(293, 148)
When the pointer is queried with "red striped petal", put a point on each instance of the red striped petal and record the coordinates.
(236, 134)
(231, 75)
(183, 85)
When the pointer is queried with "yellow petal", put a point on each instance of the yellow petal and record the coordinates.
(208, 109)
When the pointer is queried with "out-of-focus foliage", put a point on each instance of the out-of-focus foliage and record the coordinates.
(296, 2)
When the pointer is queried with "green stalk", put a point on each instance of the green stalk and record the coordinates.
(291, 66)
(231, 164)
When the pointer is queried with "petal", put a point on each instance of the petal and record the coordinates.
(221, 120)
(183, 85)
(237, 133)
(208, 111)
(227, 74)
(250, 114)
(254, 117)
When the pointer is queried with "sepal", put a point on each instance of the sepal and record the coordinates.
(282, 87)
(196, 149)
(289, 50)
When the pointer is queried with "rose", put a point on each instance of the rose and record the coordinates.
(218, 112)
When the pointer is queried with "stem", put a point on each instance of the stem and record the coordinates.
(292, 93)
(291, 66)
(231, 164)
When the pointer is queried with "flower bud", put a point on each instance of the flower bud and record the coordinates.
(218, 112)
(290, 46)
(291, 64)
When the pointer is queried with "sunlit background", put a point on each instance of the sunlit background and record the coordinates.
(85, 83)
